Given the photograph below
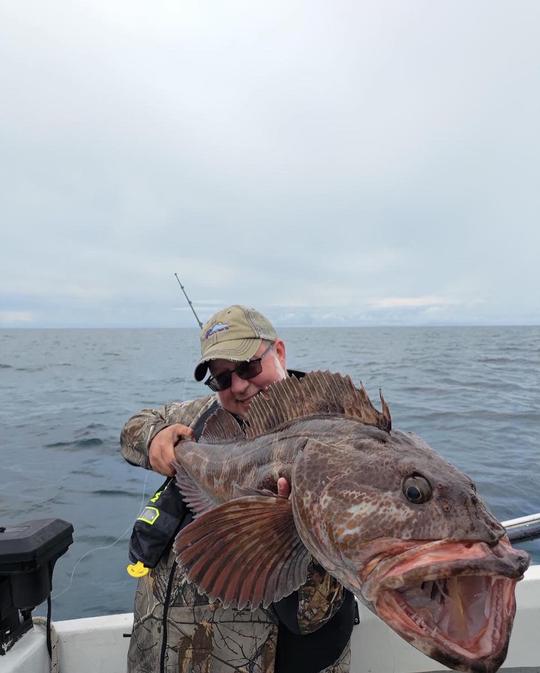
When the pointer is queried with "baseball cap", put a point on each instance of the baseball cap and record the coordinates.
(235, 333)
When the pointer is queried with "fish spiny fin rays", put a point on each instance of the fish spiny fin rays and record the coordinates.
(241, 491)
(221, 426)
(385, 410)
(317, 393)
(245, 552)
(193, 495)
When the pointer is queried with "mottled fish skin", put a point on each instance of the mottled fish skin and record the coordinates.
(359, 498)
(348, 472)
(256, 463)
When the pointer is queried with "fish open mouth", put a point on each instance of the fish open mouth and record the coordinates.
(453, 601)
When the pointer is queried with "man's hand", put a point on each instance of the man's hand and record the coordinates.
(283, 487)
(161, 449)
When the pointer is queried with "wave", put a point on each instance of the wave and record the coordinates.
(93, 426)
(57, 445)
(115, 493)
(76, 444)
(494, 360)
(98, 540)
(89, 441)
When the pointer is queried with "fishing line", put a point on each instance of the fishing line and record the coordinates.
(143, 496)
(20, 469)
(107, 546)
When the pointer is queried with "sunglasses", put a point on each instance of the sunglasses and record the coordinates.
(245, 370)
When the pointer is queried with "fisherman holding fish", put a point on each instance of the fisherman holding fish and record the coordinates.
(371, 510)
(177, 628)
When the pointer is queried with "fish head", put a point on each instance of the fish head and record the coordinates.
(408, 534)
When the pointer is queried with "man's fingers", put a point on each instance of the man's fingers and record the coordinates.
(179, 432)
(283, 487)
(161, 449)
(160, 464)
(166, 470)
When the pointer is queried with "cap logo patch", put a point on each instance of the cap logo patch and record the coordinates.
(218, 327)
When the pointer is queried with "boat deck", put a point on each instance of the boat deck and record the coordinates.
(99, 644)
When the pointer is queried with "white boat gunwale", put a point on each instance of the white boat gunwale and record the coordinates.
(99, 644)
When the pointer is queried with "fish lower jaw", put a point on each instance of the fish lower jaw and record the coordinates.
(464, 622)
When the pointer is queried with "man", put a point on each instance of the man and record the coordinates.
(175, 627)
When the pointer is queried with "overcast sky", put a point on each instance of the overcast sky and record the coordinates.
(328, 162)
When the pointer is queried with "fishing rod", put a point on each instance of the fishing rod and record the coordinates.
(523, 528)
(188, 301)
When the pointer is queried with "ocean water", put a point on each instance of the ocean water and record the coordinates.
(472, 392)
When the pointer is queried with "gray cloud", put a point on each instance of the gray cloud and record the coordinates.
(364, 163)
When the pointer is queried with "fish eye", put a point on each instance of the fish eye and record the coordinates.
(416, 489)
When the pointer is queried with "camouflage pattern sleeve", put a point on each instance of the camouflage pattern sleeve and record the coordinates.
(318, 599)
(141, 428)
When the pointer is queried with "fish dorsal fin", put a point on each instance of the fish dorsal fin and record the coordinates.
(221, 426)
(316, 393)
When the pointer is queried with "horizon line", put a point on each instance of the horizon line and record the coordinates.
(281, 326)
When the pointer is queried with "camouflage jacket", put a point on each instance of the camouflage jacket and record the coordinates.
(204, 637)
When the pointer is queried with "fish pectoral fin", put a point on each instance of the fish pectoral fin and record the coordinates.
(193, 495)
(245, 552)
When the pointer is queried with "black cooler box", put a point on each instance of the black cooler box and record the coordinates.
(28, 552)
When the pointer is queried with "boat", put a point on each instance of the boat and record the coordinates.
(100, 644)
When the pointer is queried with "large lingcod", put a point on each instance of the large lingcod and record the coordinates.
(396, 524)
